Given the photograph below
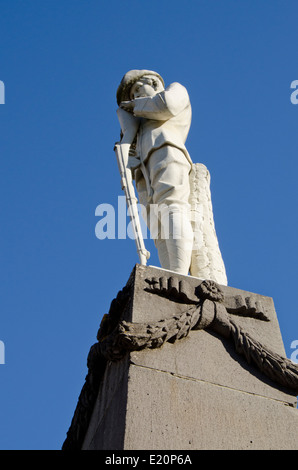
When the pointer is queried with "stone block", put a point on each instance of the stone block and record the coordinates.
(193, 393)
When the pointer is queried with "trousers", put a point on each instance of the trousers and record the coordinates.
(168, 209)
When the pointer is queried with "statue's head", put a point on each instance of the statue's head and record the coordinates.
(137, 83)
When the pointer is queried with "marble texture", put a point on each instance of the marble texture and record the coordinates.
(155, 121)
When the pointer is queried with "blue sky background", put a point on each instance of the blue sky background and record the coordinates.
(61, 62)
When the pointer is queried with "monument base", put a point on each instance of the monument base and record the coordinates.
(176, 381)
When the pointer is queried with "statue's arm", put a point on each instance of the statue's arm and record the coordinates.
(163, 105)
(129, 125)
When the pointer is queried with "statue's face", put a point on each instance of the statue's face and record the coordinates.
(146, 86)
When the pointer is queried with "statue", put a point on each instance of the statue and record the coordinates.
(155, 122)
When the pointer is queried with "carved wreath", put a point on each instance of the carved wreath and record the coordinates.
(208, 309)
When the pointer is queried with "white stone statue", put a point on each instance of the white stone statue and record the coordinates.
(155, 122)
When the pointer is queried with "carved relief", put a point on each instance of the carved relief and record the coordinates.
(206, 308)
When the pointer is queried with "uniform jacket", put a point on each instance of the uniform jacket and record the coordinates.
(165, 120)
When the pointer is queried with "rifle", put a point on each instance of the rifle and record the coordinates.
(122, 154)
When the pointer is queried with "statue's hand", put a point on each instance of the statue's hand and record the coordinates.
(127, 105)
(133, 163)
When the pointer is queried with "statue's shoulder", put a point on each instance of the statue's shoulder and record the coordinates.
(177, 89)
(176, 85)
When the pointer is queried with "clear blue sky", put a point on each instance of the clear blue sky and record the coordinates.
(61, 62)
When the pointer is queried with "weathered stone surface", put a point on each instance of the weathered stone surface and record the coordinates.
(179, 413)
(206, 357)
(197, 393)
(151, 409)
(108, 422)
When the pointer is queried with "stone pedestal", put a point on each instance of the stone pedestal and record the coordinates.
(198, 392)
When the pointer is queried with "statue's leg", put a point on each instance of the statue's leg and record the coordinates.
(169, 170)
(154, 225)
